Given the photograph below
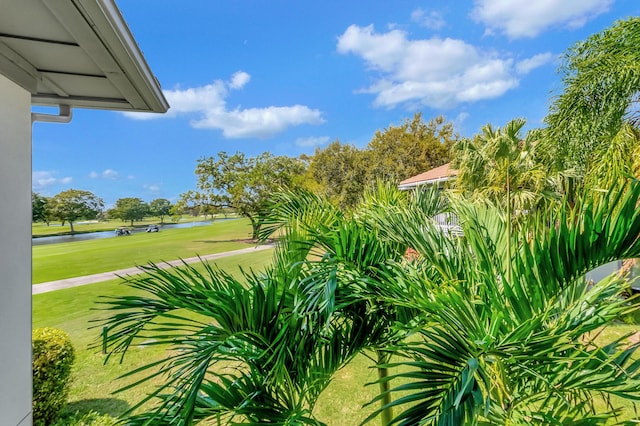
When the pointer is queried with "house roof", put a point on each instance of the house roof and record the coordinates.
(78, 53)
(439, 174)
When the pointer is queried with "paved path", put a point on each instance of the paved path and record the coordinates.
(96, 278)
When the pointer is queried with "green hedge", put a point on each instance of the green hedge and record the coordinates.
(53, 356)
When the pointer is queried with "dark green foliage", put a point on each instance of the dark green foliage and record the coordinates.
(53, 356)
(601, 76)
(74, 204)
(129, 209)
(241, 183)
(39, 208)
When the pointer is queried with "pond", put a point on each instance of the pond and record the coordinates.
(55, 239)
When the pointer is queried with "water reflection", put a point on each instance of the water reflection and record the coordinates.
(110, 234)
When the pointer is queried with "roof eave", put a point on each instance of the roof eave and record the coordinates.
(411, 185)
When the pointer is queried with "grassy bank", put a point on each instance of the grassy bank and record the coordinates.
(65, 260)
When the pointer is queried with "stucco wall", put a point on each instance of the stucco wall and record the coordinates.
(15, 254)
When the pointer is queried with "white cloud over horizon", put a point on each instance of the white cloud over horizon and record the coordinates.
(435, 72)
(43, 179)
(527, 65)
(208, 105)
(526, 18)
(429, 19)
(152, 187)
(106, 174)
(312, 141)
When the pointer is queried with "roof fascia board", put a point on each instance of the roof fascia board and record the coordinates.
(108, 20)
(70, 15)
(424, 182)
(82, 102)
(18, 69)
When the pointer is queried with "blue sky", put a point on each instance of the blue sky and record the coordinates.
(289, 76)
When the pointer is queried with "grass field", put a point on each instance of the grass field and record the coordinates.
(65, 260)
(73, 311)
(40, 229)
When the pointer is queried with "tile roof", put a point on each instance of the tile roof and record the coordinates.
(439, 174)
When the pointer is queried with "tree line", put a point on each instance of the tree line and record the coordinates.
(73, 204)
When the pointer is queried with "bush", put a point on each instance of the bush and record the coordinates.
(53, 356)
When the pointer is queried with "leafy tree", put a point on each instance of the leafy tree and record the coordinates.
(501, 165)
(341, 173)
(74, 204)
(244, 184)
(601, 78)
(160, 207)
(129, 209)
(39, 208)
(399, 152)
(280, 364)
(496, 338)
(505, 336)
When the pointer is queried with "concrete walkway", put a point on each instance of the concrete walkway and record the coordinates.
(105, 276)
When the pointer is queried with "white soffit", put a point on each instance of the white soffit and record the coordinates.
(78, 53)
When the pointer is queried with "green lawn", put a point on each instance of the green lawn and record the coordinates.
(54, 228)
(73, 310)
(65, 260)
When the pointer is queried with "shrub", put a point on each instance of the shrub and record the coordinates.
(53, 356)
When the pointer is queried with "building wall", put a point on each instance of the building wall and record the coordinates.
(15, 254)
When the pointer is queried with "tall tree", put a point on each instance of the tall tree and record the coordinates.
(129, 209)
(160, 207)
(74, 204)
(506, 338)
(341, 173)
(39, 208)
(399, 152)
(502, 165)
(485, 346)
(601, 77)
(242, 183)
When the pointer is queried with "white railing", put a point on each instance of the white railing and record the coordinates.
(448, 223)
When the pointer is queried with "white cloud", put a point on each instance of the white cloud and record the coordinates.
(152, 187)
(461, 118)
(208, 104)
(436, 72)
(93, 175)
(432, 19)
(527, 18)
(239, 79)
(41, 180)
(110, 174)
(312, 141)
(529, 64)
(258, 122)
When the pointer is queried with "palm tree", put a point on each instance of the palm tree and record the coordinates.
(483, 335)
(507, 337)
(503, 166)
(262, 349)
(601, 77)
(344, 257)
(239, 351)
